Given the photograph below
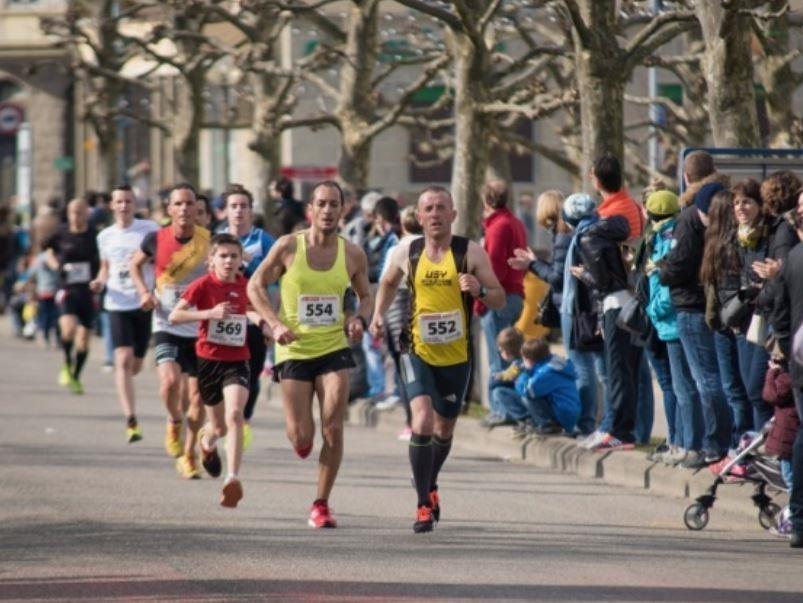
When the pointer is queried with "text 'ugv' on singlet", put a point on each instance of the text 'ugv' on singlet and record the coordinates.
(312, 305)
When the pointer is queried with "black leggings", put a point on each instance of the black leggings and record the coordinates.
(259, 350)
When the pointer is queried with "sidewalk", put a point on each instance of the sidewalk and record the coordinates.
(620, 468)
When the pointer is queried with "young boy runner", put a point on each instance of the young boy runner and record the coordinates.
(220, 300)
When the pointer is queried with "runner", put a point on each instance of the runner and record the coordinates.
(73, 251)
(444, 273)
(239, 205)
(222, 304)
(179, 253)
(130, 326)
(316, 267)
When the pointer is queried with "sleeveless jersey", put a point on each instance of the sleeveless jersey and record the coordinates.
(176, 265)
(312, 305)
(439, 318)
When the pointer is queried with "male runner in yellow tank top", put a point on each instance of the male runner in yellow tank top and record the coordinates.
(316, 267)
(441, 273)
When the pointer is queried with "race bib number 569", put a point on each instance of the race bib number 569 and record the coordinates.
(317, 310)
(228, 331)
(441, 328)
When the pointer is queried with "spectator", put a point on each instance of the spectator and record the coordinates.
(589, 365)
(387, 227)
(47, 285)
(602, 268)
(680, 272)
(682, 405)
(777, 391)
(374, 362)
(547, 385)
(506, 404)
(525, 211)
(290, 212)
(504, 233)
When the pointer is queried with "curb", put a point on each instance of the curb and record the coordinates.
(630, 469)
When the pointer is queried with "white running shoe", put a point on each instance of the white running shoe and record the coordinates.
(592, 441)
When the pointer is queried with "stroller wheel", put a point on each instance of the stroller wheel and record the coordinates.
(767, 515)
(695, 517)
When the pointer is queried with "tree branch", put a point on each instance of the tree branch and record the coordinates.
(452, 21)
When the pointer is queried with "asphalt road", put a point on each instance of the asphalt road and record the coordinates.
(83, 515)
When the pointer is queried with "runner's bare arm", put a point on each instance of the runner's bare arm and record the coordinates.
(147, 300)
(396, 271)
(102, 277)
(267, 273)
(183, 312)
(482, 275)
(358, 273)
(51, 259)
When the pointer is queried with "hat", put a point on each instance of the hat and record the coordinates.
(578, 206)
(702, 199)
(662, 203)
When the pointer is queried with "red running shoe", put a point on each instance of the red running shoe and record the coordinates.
(321, 516)
(423, 520)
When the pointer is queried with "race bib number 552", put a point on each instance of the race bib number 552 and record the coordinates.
(317, 310)
(441, 328)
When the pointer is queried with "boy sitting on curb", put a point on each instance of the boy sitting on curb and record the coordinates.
(547, 386)
(507, 407)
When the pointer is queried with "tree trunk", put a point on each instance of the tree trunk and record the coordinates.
(187, 128)
(472, 133)
(499, 166)
(355, 159)
(107, 163)
(728, 67)
(266, 141)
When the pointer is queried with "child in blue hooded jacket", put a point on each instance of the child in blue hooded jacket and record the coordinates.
(547, 385)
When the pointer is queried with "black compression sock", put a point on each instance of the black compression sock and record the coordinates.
(421, 462)
(80, 359)
(440, 451)
(67, 347)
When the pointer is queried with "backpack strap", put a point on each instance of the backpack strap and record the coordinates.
(460, 254)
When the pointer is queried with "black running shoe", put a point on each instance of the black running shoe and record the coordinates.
(210, 460)
(424, 521)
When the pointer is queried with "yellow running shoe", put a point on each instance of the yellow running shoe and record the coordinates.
(173, 444)
(247, 437)
(134, 434)
(187, 467)
(75, 386)
(65, 375)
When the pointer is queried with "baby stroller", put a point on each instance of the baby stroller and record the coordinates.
(747, 466)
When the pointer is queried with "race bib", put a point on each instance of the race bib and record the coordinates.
(441, 328)
(169, 296)
(124, 280)
(318, 310)
(228, 331)
(78, 273)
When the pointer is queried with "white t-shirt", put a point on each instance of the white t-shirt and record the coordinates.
(117, 246)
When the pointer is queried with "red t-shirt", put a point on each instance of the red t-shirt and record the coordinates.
(223, 340)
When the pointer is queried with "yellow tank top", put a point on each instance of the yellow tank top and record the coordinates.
(439, 327)
(312, 305)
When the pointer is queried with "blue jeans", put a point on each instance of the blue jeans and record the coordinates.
(590, 369)
(505, 402)
(753, 361)
(731, 377)
(698, 346)
(541, 411)
(663, 374)
(689, 417)
(374, 366)
(493, 321)
(796, 494)
(47, 319)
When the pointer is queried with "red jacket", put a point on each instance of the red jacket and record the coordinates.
(621, 203)
(504, 232)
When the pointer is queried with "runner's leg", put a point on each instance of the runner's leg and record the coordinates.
(82, 334)
(170, 389)
(299, 425)
(67, 326)
(420, 451)
(124, 378)
(441, 445)
(332, 390)
(234, 398)
(195, 416)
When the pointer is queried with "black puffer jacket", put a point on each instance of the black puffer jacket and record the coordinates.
(782, 238)
(680, 269)
(601, 255)
(742, 281)
(788, 311)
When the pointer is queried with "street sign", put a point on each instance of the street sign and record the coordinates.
(64, 163)
(11, 117)
(310, 172)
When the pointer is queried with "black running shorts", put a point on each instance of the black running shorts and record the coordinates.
(172, 348)
(79, 302)
(307, 370)
(130, 329)
(446, 386)
(214, 375)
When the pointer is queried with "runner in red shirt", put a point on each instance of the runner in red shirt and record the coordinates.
(220, 303)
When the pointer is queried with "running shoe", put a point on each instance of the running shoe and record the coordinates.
(173, 444)
(65, 374)
(657, 454)
(610, 442)
(187, 467)
(321, 516)
(388, 403)
(675, 457)
(232, 493)
(435, 503)
(592, 440)
(108, 367)
(247, 436)
(424, 522)
(210, 459)
(75, 386)
(134, 434)
(694, 460)
(405, 434)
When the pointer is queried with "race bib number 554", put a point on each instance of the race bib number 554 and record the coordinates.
(441, 328)
(317, 310)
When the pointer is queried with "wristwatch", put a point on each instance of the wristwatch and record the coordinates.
(483, 292)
